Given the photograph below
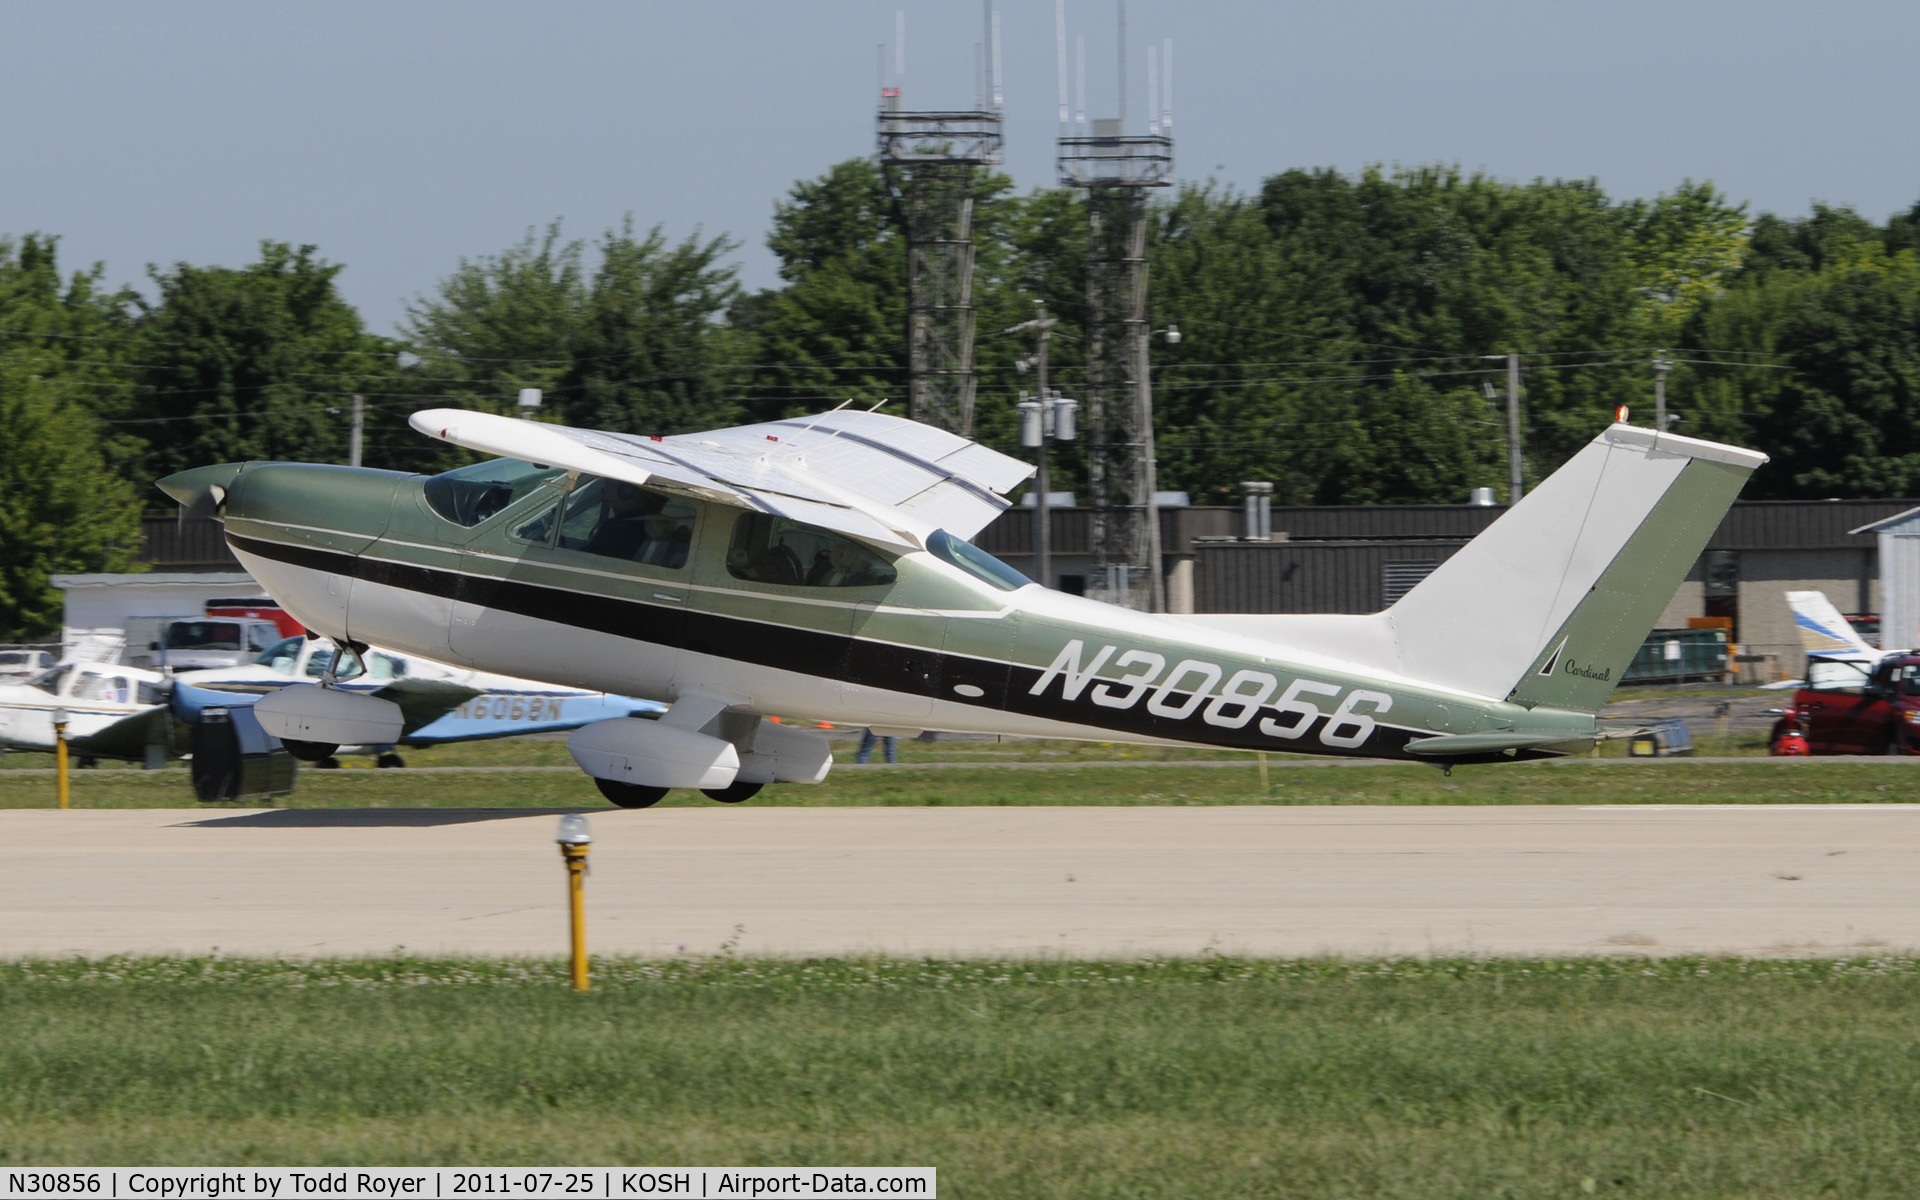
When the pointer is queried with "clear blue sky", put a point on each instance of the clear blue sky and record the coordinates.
(399, 137)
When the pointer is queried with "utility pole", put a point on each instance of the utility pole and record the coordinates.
(1043, 420)
(1661, 365)
(353, 442)
(1042, 524)
(1515, 489)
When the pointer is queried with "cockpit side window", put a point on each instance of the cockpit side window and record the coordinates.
(92, 686)
(770, 549)
(539, 530)
(317, 665)
(469, 495)
(616, 519)
(1841, 675)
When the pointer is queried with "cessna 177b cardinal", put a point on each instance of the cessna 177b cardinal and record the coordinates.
(819, 568)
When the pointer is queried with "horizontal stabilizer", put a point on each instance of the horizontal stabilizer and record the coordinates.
(1458, 744)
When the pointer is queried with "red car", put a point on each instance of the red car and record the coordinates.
(1852, 707)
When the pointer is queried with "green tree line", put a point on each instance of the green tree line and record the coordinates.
(1340, 336)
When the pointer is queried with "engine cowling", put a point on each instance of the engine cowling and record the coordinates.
(309, 713)
(649, 754)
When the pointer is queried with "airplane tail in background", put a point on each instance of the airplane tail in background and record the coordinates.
(1549, 604)
(1822, 629)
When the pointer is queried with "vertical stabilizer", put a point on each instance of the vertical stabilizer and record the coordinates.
(1822, 629)
(1549, 604)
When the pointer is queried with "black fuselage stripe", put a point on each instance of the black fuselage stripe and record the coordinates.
(884, 665)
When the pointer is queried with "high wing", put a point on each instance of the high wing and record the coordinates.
(877, 478)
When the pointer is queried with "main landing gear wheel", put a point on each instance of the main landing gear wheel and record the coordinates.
(312, 752)
(733, 793)
(389, 759)
(630, 795)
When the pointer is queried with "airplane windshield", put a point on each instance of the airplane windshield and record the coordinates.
(976, 562)
(282, 655)
(50, 681)
(469, 495)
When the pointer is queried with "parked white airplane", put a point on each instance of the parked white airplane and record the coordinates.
(113, 711)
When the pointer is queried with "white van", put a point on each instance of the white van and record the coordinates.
(191, 643)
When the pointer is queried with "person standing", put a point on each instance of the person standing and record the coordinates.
(867, 740)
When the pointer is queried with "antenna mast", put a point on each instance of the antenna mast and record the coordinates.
(1080, 82)
(1116, 171)
(930, 160)
(1060, 56)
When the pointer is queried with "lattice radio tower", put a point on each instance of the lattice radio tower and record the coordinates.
(1116, 170)
(930, 161)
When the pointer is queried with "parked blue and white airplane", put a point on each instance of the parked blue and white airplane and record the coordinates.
(443, 703)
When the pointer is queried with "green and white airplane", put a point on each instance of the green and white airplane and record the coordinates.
(819, 568)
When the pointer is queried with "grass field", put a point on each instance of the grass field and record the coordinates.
(1027, 777)
(1202, 1077)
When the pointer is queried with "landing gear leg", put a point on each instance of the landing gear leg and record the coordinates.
(332, 675)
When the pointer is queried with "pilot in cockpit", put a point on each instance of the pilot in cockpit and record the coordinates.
(623, 530)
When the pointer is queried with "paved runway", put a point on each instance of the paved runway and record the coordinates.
(1773, 880)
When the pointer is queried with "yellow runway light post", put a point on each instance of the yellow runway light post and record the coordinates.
(60, 754)
(574, 838)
